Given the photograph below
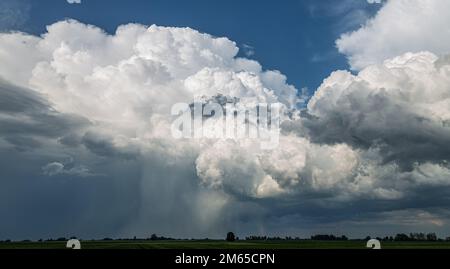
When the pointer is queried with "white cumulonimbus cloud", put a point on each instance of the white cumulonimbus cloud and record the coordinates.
(104, 101)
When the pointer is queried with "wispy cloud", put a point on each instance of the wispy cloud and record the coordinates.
(74, 1)
(349, 14)
(13, 14)
(249, 51)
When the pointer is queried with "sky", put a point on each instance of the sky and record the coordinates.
(88, 89)
(302, 32)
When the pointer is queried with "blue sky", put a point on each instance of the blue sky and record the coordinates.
(295, 37)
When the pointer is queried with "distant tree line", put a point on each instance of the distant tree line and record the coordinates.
(429, 237)
(331, 237)
(274, 238)
(402, 237)
(319, 237)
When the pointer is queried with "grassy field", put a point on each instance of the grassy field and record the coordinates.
(306, 244)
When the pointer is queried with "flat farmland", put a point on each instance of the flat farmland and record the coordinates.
(211, 244)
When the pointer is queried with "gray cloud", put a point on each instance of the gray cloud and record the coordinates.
(399, 115)
(57, 168)
(26, 117)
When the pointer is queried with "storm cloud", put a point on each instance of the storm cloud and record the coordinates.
(86, 146)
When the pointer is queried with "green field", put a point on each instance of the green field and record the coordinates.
(204, 244)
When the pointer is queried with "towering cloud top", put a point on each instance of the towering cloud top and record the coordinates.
(400, 26)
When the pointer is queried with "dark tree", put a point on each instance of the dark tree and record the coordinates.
(432, 237)
(231, 237)
(328, 237)
(402, 237)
